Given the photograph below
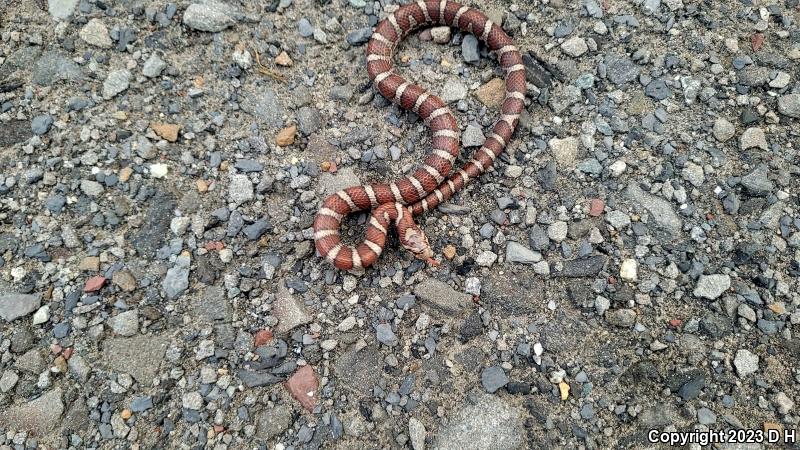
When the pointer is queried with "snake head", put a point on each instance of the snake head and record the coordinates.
(416, 242)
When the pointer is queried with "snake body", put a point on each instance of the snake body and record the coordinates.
(397, 202)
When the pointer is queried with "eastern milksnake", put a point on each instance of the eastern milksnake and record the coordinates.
(428, 186)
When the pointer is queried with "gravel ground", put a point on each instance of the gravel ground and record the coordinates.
(631, 263)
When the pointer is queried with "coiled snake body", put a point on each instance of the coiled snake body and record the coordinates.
(397, 202)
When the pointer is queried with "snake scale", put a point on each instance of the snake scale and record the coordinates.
(432, 183)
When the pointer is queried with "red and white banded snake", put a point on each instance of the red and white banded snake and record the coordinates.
(428, 185)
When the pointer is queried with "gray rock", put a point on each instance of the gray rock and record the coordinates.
(565, 151)
(441, 296)
(257, 229)
(91, 188)
(723, 130)
(575, 46)
(116, 83)
(416, 432)
(621, 69)
(658, 90)
(493, 378)
(359, 37)
(289, 311)
(660, 209)
(156, 224)
(753, 138)
(308, 120)
(385, 334)
(518, 253)
(95, 33)
(40, 125)
(746, 363)
(757, 182)
(211, 307)
(358, 370)
(37, 417)
(240, 189)
(141, 404)
(79, 368)
(472, 136)
(264, 104)
(712, 286)
(125, 323)
(153, 66)
(53, 67)
(8, 380)
(490, 423)
(139, 356)
(14, 305)
(333, 183)
(789, 105)
(251, 378)
(453, 91)
(305, 28)
(469, 49)
(623, 318)
(211, 16)
(618, 219)
(272, 422)
(651, 6)
(61, 9)
(177, 279)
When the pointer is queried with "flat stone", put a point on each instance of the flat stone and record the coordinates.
(518, 253)
(359, 369)
(757, 182)
(95, 33)
(14, 305)
(753, 138)
(453, 90)
(212, 306)
(583, 267)
(623, 318)
(125, 323)
(441, 296)
(91, 188)
(61, 9)
(492, 93)
(490, 423)
(712, 286)
(272, 422)
(385, 335)
(211, 16)
(746, 363)
(660, 209)
(153, 66)
(303, 386)
(565, 151)
(37, 417)
(621, 69)
(472, 136)
(116, 83)
(789, 105)
(240, 189)
(493, 378)
(176, 280)
(289, 311)
(469, 49)
(139, 356)
(53, 67)
(168, 131)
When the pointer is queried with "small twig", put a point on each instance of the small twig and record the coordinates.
(266, 70)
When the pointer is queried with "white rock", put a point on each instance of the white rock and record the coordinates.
(617, 168)
(42, 315)
(628, 270)
(158, 170)
(575, 46)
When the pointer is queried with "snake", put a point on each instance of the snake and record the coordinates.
(434, 181)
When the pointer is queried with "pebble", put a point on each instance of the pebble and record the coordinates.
(96, 34)
(723, 130)
(557, 231)
(789, 105)
(746, 363)
(469, 49)
(440, 35)
(158, 170)
(211, 16)
(453, 91)
(565, 151)
(303, 386)
(41, 124)
(575, 46)
(628, 270)
(385, 334)
(116, 83)
(753, 138)
(472, 136)
(153, 66)
(712, 286)
(493, 378)
(125, 323)
(240, 189)
(623, 318)
(518, 253)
